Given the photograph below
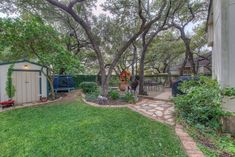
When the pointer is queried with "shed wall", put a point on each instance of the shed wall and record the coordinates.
(20, 66)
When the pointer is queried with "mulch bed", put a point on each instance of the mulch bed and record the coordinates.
(113, 102)
(211, 146)
(110, 102)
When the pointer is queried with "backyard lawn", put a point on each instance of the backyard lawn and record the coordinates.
(76, 129)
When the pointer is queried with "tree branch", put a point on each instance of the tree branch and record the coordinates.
(72, 3)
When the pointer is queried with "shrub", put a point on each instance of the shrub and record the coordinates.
(78, 79)
(129, 97)
(229, 92)
(88, 87)
(114, 95)
(92, 96)
(201, 104)
(114, 81)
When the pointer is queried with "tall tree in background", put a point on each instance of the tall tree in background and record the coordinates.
(190, 11)
(164, 52)
(71, 9)
(150, 33)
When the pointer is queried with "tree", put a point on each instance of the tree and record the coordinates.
(71, 9)
(164, 52)
(149, 34)
(191, 12)
(32, 39)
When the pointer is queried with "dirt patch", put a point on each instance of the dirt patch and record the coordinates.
(208, 144)
(73, 95)
(212, 146)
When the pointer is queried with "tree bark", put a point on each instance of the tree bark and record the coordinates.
(133, 62)
(144, 25)
(51, 82)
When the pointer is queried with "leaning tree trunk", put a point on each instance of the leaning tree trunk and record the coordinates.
(183, 65)
(133, 63)
(188, 54)
(141, 73)
(51, 82)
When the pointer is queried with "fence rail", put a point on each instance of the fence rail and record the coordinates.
(151, 82)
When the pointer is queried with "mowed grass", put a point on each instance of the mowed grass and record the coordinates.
(75, 129)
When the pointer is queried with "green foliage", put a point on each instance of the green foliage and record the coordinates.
(169, 50)
(212, 144)
(129, 97)
(32, 38)
(89, 87)
(92, 96)
(201, 104)
(78, 79)
(10, 89)
(114, 94)
(114, 81)
(229, 91)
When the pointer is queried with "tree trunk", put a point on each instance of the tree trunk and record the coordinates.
(141, 73)
(51, 82)
(105, 88)
(183, 65)
(133, 62)
(104, 83)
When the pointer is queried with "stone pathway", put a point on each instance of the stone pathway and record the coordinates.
(165, 96)
(158, 110)
(163, 111)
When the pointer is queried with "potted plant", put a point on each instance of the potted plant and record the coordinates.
(124, 77)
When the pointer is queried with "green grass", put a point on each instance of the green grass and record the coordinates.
(76, 129)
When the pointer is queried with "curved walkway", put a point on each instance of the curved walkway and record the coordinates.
(163, 111)
(158, 110)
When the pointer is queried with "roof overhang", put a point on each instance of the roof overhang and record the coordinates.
(21, 61)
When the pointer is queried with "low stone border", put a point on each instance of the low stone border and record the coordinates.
(188, 143)
(30, 105)
(102, 106)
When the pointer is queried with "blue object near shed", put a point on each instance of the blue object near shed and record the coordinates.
(63, 83)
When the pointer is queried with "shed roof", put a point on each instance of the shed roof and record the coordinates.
(21, 61)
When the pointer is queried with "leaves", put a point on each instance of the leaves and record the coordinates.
(33, 39)
(201, 105)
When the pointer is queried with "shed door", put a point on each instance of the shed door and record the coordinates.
(27, 86)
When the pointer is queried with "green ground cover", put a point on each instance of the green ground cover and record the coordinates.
(76, 129)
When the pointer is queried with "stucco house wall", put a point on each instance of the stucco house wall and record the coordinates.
(221, 36)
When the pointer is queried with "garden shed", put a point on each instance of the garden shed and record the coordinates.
(28, 79)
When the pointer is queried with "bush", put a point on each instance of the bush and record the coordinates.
(88, 87)
(114, 81)
(229, 92)
(114, 95)
(78, 79)
(129, 97)
(92, 96)
(201, 104)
